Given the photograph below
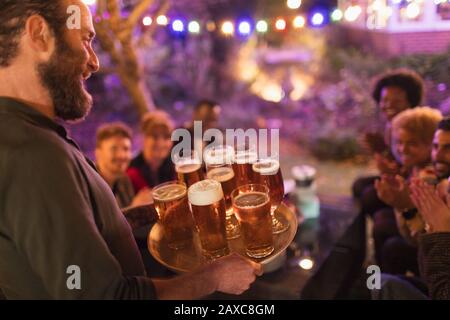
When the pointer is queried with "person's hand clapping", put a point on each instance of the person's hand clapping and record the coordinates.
(394, 192)
(434, 210)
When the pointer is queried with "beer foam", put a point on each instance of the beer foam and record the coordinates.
(188, 166)
(219, 156)
(169, 192)
(221, 174)
(266, 167)
(251, 200)
(246, 157)
(205, 192)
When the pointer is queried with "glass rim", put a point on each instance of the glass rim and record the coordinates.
(168, 183)
(249, 185)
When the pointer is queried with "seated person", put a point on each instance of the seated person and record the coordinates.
(208, 112)
(153, 165)
(434, 245)
(113, 156)
(394, 236)
(394, 92)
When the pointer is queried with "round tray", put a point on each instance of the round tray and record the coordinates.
(191, 257)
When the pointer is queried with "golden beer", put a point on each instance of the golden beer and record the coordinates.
(242, 167)
(268, 173)
(189, 172)
(219, 160)
(252, 207)
(174, 213)
(208, 208)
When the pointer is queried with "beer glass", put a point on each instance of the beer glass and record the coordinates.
(208, 208)
(171, 203)
(189, 168)
(244, 159)
(219, 161)
(267, 172)
(252, 207)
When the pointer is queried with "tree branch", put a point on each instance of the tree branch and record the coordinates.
(137, 13)
(163, 8)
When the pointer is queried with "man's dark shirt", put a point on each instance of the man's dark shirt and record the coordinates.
(57, 212)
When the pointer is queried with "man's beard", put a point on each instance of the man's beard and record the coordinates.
(445, 174)
(62, 76)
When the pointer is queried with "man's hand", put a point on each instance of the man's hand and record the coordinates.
(394, 192)
(434, 210)
(234, 274)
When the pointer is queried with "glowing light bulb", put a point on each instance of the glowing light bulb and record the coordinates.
(317, 19)
(337, 15)
(306, 263)
(194, 27)
(262, 26)
(280, 24)
(244, 28)
(299, 22)
(178, 25)
(162, 20)
(294, 4)
(227, 28)
(147, 21)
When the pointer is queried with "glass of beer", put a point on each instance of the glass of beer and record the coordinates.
(251, 204)
(219, 167)
(243, 161)
(189, 168)
(174, 213)
(208, 208)
(268, 172)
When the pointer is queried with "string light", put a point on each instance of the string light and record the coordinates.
(294, 4)
(299, 22)
(211, 26)
(280, 24)
(244, 28)
(261, 26)
(317, 19)
(178, 25)
(337, 15)
(194, 27)
(227, 28)
(147, 21)
(162, 20)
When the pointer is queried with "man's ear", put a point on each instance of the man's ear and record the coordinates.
(40, 36)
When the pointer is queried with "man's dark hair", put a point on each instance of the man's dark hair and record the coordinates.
(13, 16)
(205, 103)
(110, 130)
(405, 79)
(444, 124)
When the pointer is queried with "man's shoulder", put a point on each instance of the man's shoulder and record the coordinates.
(22, 138)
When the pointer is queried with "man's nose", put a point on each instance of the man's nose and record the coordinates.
(94, 63)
